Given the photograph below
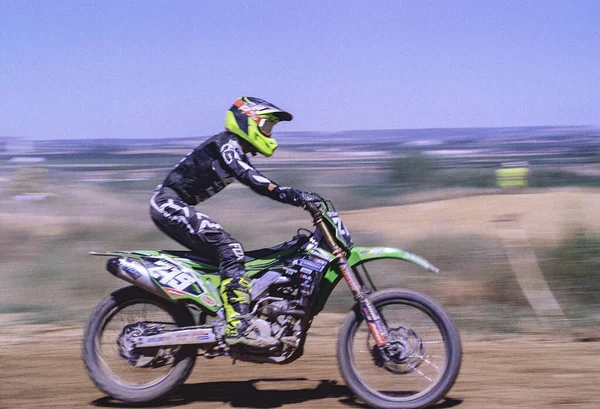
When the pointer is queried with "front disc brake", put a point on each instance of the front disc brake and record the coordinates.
(402, 354)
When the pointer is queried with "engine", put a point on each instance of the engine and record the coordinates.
(278, 318)
(278, 306)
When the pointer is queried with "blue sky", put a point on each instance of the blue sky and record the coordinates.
(158, 69)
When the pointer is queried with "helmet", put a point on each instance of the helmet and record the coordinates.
(252, 119)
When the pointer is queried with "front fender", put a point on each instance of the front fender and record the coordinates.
(359, 255)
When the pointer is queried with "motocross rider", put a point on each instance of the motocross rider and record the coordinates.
(204, 172)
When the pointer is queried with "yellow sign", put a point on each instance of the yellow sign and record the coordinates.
(512, 177)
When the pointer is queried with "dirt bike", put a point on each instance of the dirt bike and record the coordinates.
(396, 348)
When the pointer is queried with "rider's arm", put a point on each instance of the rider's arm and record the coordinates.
(248, 175)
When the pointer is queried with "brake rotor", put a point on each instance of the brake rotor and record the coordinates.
(403, 354)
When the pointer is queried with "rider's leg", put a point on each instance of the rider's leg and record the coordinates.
(236, 290)
(198, 232)
(235, 294)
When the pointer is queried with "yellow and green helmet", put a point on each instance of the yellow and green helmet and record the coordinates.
(252, 119)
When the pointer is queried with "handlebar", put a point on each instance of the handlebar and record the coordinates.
(311, 203)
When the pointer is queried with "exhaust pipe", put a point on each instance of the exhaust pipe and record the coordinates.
(135, 273)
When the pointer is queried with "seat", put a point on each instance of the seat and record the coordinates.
(297, 241)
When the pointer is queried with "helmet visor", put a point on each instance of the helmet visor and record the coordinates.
(266, 126)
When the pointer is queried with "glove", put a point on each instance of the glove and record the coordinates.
(292, 196)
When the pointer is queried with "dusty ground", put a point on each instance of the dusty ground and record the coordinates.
(42, 369)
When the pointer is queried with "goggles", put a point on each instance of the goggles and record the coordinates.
(266, 126)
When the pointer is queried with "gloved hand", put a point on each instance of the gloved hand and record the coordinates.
(293, 196)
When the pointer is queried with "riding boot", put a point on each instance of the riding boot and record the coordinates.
(235, 293)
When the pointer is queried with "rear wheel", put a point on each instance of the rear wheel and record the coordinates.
(132, 374)
(420, 363)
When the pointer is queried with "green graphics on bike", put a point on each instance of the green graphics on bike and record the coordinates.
(179, 279)
(341, 232)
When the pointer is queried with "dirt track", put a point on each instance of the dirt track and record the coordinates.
(42, 369)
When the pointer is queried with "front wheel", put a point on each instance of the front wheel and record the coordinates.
(419, 364)
(129, 374)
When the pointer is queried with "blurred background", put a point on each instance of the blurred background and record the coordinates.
(507, 214)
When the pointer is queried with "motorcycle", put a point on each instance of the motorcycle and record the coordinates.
(396, 348)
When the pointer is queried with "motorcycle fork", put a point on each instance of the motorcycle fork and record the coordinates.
(367, 309)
